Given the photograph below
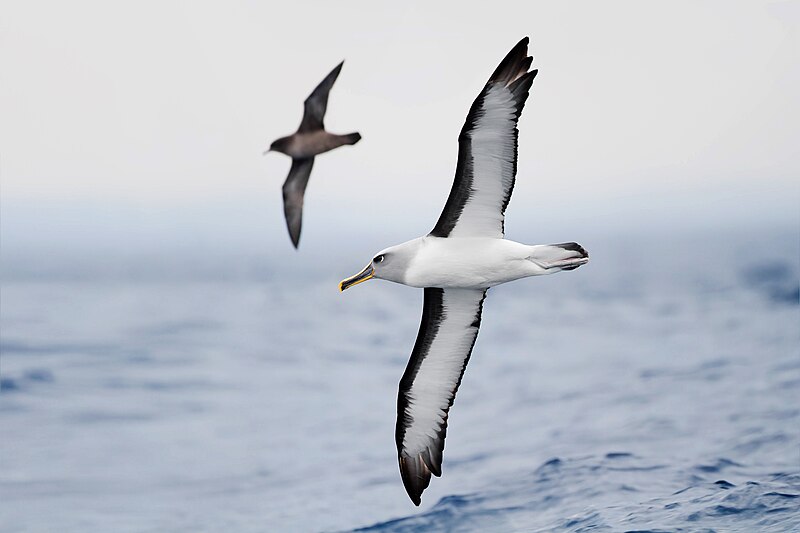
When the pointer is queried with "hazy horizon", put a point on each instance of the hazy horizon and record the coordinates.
(129, 133)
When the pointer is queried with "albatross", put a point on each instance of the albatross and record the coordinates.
(310, 140)
(457, 262)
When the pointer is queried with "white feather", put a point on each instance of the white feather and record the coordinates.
(433, 386)
(492, 150)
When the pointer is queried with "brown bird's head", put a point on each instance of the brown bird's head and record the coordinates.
(279, 145)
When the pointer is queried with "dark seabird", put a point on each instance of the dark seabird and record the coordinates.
(310, 140)
(457, 262)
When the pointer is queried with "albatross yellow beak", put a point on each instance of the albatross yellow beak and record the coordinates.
(362, 276)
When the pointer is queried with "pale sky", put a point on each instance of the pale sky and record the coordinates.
(118, 116)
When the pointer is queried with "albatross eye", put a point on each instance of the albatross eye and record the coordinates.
(378, 259)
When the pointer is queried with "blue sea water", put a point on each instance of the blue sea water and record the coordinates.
(655, 389)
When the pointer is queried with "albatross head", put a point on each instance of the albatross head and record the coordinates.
(390, 264)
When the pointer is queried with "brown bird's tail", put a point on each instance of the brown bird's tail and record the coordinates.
(351, 138)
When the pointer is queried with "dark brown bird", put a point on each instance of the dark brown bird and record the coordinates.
(310, 140)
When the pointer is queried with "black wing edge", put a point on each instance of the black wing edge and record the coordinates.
(513, 73)
(416, 470)
(294, 189)
(316, 104)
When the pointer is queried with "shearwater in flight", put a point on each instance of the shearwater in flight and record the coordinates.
(310, 140)
(457, 262)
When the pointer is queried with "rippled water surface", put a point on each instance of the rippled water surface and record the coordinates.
(654, 389)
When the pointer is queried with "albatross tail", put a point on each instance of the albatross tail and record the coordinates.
(557, 257)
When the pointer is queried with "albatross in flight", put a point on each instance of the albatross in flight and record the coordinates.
(310, 140)
(457, 262)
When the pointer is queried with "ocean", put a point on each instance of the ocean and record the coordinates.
(655, 389)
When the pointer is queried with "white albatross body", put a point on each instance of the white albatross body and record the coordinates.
(474, 263)
(457, 262)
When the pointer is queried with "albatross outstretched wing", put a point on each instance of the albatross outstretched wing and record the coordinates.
(294, 188)
(449, 327)
(487, 152)
(317, 103)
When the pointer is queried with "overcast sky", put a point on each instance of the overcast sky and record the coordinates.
(131, 121)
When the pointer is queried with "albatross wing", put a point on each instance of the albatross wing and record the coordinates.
(294, 189)
(317, 103)
(487, 152)
(447, 333)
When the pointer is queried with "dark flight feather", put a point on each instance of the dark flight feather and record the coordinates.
(317, 103)
(294, 189)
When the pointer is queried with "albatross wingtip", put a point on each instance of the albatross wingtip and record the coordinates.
(416, 477)
(515, 64)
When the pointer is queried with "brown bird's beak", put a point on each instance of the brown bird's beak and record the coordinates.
(268, 150)
(361, 277)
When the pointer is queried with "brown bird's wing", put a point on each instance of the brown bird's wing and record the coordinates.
(317, 103)
(294, 189)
